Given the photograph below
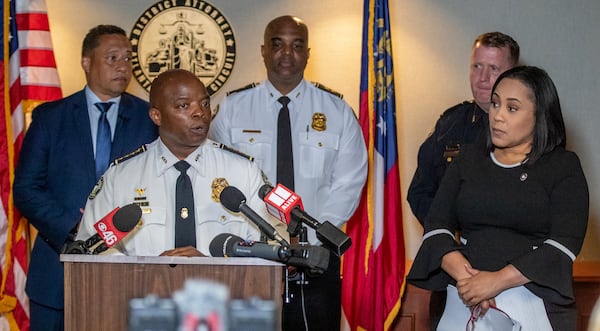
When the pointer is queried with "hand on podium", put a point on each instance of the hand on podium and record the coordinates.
(182, 251)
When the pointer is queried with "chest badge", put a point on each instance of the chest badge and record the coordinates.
(319, 122)
(217, 186)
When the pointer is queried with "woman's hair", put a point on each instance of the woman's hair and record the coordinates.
(549, 129)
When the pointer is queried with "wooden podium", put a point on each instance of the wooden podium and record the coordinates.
(98, 288)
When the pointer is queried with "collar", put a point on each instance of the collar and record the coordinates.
(478, 113)
(295, 95)
(92, 99)
(166, 159)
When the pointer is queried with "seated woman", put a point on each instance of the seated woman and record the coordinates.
(521, 207)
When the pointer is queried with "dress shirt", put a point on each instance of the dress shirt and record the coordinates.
(330, 162)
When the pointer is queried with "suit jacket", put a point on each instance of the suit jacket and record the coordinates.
(55, 174)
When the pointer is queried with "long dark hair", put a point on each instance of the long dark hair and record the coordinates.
(549, 129)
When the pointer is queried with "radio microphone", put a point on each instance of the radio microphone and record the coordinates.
(314, 258)
(110, 230)
(229, 245)
(234, 200)
(286, 205)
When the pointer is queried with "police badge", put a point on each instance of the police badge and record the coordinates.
(319, 122)
(218, 184)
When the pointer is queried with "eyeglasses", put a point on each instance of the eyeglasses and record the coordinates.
(497, 317)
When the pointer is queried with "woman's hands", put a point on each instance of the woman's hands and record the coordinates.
(481, 287)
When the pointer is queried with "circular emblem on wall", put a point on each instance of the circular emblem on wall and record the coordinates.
(183, 34)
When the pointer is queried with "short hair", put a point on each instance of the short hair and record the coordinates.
(549, 128)
(160, 82)
(92, 38)
(499, 40)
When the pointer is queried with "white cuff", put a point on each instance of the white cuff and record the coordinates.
(560, 247)
(436, 232)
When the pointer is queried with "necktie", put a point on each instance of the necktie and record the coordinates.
(185, 227)
(285, 158)
(103, 139)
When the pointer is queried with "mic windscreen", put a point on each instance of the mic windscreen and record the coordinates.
(231, 198)
(127, 217)
(223, 244)
(264, 190)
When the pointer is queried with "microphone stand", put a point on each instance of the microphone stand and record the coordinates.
(299, 277)
(302, 241)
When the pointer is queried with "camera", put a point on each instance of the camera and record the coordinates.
(252, 314)
(152, 314)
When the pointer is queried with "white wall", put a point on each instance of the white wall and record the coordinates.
(431, 44)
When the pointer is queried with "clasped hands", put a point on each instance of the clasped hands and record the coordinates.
(478, 290)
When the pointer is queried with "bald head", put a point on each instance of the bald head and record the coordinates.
(161, 86)
(180, 107)
(285, 52)
(276, 23)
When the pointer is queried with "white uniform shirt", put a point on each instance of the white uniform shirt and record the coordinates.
(149, 179)
(330, 165)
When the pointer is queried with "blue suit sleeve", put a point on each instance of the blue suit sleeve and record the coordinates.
(31, 194)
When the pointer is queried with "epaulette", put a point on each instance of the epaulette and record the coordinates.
(454, 108)
(244, 155)
(140, 150)
(328, 90)
(247, 87)
(234, 151)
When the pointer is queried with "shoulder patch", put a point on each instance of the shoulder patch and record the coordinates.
(247, 87)
(233, 150)
(97, 188)
(328, 90)
(140, 150)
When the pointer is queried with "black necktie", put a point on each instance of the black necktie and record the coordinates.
(285, 158)
(185, 227)
(103, 139)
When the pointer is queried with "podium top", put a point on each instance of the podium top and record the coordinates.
(85, 258)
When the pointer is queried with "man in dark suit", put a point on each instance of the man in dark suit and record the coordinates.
(57, 167)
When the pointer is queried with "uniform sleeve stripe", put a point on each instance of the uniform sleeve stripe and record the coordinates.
(436, 232)
(560, 247)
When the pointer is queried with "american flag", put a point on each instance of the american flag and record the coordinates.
(29, 77)
(373, 268)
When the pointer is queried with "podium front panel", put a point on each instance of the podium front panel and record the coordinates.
(98, 288)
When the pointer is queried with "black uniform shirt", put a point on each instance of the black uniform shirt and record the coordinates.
(462, 124)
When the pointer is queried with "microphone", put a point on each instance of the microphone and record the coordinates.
(286, 205)
(229, 245)
(110, 230)
(235, 201)
(280, 202)
(314, 258)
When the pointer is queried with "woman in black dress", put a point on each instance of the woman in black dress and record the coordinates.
(521, 208)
